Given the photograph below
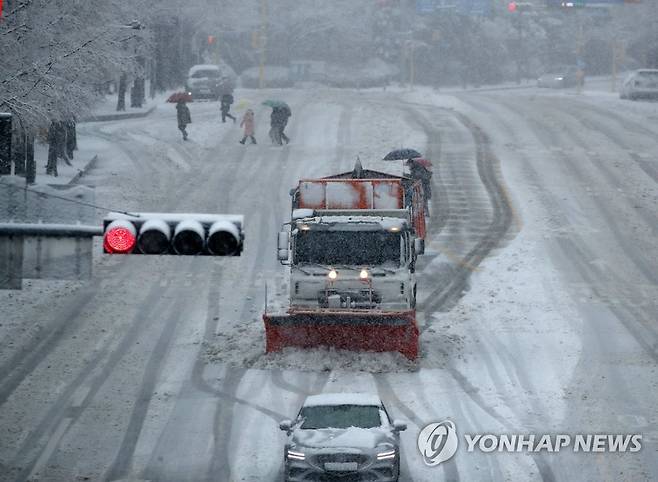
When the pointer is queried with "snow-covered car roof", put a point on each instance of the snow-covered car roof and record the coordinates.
(326, 399)
(196, 68)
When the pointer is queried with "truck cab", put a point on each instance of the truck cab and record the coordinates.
(351, 259)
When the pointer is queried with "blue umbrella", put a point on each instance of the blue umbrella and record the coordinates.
(275, 103)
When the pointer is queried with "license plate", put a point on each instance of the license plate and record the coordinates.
(341, 466)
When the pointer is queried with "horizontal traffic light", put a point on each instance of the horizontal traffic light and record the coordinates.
(172, 233)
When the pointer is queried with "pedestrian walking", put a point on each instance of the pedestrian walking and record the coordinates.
(71, 137)
(420, 171)
(285, 115)
(275, 129)
(226, 101)
(248, 124)
(279, 120)
(183, 116)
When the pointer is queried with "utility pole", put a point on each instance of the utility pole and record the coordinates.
(263, 43)
(579, 52)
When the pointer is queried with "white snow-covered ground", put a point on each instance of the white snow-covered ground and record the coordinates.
(155, 369)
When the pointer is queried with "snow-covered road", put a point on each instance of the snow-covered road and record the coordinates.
(539, 294)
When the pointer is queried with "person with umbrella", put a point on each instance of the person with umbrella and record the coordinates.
(284, 114)
(278, 120)
(420, 169)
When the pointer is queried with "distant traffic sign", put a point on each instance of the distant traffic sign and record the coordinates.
(461, 7)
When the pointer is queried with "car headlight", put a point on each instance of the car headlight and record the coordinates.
(387, 455)
(332, 274)
(293, 455)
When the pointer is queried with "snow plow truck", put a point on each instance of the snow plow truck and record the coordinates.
(351, 247)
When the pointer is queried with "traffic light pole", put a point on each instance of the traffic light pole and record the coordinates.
(263, 43)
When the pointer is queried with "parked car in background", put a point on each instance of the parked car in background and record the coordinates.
(641, 84)
(559, 78)
(348, 436)
(206, 81)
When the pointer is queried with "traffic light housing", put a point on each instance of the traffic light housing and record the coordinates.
(173, 234)
(519, 7)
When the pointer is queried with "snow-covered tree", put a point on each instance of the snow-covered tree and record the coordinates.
(56, 54)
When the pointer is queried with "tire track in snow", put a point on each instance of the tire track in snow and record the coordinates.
(646, 324)
(111, 357)
(503, 217)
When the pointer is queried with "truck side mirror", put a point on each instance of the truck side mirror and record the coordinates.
(286, 425)
(419, 246)
(282, 246)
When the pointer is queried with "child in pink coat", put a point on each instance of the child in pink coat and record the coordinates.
(249, 128)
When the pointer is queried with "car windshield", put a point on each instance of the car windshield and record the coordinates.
(340, 416)
(648, 75)
(201, 74)
(348, 247)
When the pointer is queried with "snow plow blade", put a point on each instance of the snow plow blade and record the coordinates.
(348, 330)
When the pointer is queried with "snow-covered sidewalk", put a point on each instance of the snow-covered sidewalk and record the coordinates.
(89, 149)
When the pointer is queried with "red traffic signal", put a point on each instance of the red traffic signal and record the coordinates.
(511, 7)
(120, 237)
(171, 233)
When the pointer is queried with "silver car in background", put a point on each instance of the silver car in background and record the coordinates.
(559, 78)
(640, 84)
(342, 436)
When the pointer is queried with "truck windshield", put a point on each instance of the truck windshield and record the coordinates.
(348, 247)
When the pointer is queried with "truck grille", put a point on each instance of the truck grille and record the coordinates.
(360, 298)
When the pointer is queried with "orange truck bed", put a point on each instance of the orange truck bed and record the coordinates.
(388, 192)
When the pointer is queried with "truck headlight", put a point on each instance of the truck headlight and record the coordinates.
(292, 455)
(387, 455)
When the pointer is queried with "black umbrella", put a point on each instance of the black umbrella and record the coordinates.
(402, 154)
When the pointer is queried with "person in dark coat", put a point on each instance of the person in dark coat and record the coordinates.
(226, 101)
(71, 138)
(424, 175)
(275, 129)
(279, 120)
(285, 115)
(183, 116)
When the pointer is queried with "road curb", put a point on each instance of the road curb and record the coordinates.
(83, 171)
(118, 116)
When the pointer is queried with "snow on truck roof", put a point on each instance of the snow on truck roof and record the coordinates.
(326, 399)
(344, 222)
